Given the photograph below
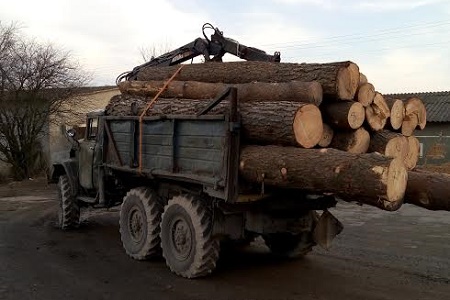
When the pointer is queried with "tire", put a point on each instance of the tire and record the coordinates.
(69, 211)
(187, 243)
(139, 222)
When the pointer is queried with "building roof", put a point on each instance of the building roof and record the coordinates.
(437, 104)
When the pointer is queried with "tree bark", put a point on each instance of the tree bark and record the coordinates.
(390, 144)
(415, 106)
(339, 80)
(279, 122)
(368, 178)
(354, 141)
(397, 108)
(412, 155)
(327, 136)
(344, 114)
(365, 94)
(307, 92)
(430, 190)
(377, 113)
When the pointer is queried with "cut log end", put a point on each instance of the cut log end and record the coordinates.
(415, 106)
(397, 113)
(397, 179)
(397, 147)
(308, 126)
(365, 94)
(362, 79)
(356, 115)
(347, 81)
(389, 143)
(409, 124)
(377, 113)
(412, 156)
(327, 136)
(344, 114)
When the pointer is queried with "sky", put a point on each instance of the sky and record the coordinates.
(400, 45)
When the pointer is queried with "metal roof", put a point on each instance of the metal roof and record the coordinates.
(437, 104)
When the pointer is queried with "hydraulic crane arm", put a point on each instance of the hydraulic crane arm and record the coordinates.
(212, 49)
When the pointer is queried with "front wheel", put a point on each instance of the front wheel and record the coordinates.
(187, 243)
(68, 211)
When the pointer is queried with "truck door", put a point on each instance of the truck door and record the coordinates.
(87, 151)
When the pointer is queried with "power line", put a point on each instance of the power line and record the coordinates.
(377, 50)
(384, 32)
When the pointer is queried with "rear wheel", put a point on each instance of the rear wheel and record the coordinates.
(140, 217)
(69, 211)
(187, 243)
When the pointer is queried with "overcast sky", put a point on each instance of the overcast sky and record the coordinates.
(401, 45)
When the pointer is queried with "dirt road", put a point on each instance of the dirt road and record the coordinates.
(409, 259)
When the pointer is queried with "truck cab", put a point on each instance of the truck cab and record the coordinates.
(90, 153)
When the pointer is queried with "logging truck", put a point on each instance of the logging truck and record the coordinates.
(177, 180)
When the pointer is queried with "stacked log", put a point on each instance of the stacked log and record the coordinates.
(287, 110)
(430, 190)
(270, 122)
(339, 80)
(371, 178)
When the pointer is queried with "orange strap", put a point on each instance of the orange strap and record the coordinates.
(149, 105)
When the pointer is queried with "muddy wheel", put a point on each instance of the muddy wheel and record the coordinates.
(187, 243)
(69, 211)
(140, 217)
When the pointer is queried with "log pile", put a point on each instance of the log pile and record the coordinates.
(316, 127)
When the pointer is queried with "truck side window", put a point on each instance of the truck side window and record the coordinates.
(92, 128)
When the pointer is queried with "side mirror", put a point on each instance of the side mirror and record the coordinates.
(71, 133)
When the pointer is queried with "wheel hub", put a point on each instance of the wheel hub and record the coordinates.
(181, 239)
(136, 225)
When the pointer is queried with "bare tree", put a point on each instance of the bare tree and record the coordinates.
(155, 50)
(36, 79)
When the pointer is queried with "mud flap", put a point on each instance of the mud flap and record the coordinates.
(327, 228)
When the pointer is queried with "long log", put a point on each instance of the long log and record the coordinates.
(397, 108)
(377, 113)
(353, 141)
(390, 144)
(344, 114)
(339, 80)
(430, 190)
(307, 92)
(279, 122)
(369, 178)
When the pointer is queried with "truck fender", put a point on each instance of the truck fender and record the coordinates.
(69, 168)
